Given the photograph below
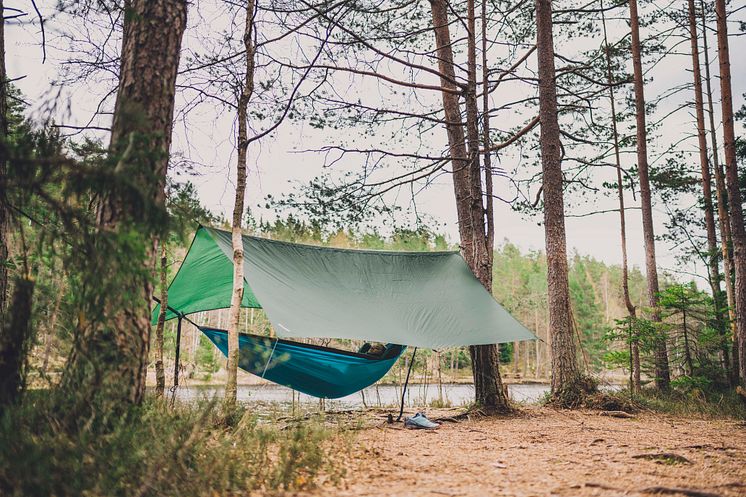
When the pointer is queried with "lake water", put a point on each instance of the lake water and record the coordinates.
(453, 394)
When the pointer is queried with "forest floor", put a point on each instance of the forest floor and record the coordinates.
(547, 452)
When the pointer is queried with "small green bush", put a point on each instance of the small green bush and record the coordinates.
(154, 450)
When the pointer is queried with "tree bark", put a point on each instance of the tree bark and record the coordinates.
(709, 215)
(487, 143)
(662, 372)
(489, 390)
(723, 216)
(4, 213)
(15, 338)
(687, 351)
(238, 207)
(565, 372)
(109, 359)
(737, 229)
(631, 311)
(160, 373)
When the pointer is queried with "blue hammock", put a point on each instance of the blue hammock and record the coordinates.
(312, 369)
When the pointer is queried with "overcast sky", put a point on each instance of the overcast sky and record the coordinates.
(276, 167)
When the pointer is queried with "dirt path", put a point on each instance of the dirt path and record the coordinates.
(550, 453)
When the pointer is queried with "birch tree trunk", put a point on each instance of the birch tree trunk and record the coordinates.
(238, 208)
(721, 192)
(109, 359)
(662, 373)
(489, 390)
(712, 244)
(565, 372)
(737, 228)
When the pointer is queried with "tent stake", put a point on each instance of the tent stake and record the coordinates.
(406, 382)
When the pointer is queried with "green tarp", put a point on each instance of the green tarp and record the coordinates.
(423, 299)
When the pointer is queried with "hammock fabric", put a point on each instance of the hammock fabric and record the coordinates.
(421, 299)
(312, 369)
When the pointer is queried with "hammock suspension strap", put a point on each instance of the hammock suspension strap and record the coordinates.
(269, 359)
(406, 382)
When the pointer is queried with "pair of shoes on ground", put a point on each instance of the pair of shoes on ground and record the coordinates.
(420, 421)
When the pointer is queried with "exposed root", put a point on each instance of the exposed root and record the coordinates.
(664, 458)
(690, 492)
(575, 394)
(616, 414)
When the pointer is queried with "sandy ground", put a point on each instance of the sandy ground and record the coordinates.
(545, 452)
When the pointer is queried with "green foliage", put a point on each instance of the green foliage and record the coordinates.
(157, 451)
(617, 359)
(695, 343)
(633, 329)
(185, 211)
(520, 284)
(205, 356)
(584, 278)
(708, 402)
(690, 384)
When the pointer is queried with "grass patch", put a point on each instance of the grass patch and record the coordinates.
(714, 404)
(441, 403)
(190, 450)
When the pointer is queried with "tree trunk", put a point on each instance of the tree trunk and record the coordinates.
(238, 208)
(723, 217)
(565, 372)
(631, 311)
(4, 213)
(486, 142)
(109, 359)
(489, 390)
(160, 374)
(662, 374)
(687, 352)
(737, 229)
(15, 340)
(712, 248)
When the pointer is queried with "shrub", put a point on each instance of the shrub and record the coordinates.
(153, 450)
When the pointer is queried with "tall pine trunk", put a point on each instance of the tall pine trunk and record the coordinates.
(723, 217)
(565, 371)
(662, 372)
(709, 215)
(110, 355)
(238, 207)
(737, 229)
(634, 346)
(489, 390)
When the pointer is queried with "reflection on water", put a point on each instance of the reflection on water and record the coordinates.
(453, 394)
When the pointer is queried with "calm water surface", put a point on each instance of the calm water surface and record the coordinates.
(453, 394)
